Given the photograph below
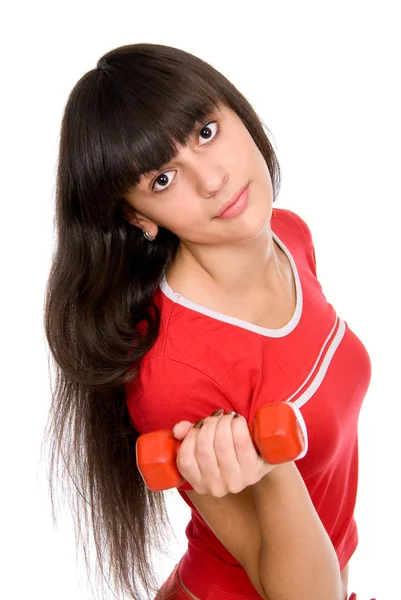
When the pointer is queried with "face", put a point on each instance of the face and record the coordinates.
(185, 196)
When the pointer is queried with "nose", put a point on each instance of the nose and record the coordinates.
(205, 170)
(210, 178)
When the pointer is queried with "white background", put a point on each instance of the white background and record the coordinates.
(324, 77)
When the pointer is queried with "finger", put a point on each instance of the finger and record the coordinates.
(205, 452)
(226, 454)
(216, 456)
(186, 461)
(247, 455)
(181, 429)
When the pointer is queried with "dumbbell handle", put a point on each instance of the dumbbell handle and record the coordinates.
(278, 432)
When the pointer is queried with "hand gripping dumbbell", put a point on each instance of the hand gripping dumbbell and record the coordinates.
(278, 432)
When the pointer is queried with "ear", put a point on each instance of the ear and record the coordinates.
(138, 219)
(131, 215)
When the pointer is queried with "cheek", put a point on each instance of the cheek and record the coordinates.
(182, 215)
(260, 165)
(257, 155)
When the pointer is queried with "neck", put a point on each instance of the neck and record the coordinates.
(236, 271)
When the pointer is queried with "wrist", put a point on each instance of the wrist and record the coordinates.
(284, 478)
(280, 471)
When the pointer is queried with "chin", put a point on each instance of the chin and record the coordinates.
(259, 217)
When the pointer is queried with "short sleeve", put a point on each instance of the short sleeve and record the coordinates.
(166, 391)
(303, 228)
(310, 246)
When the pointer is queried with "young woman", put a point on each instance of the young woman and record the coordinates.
(177, 289)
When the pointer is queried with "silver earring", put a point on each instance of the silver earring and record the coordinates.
(148, 236)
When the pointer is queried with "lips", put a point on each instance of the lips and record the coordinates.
(232, 201)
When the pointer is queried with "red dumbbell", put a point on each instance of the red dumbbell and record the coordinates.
(278, 432)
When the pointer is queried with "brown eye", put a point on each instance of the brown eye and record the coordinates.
(209, 131)
(163, 181)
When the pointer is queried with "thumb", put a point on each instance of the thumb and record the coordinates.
(181, 429)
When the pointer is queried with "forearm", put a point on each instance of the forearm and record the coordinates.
(297, 558)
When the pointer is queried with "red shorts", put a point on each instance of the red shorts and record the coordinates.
(173, 590)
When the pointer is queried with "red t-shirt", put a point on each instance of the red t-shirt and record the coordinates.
(203, 360)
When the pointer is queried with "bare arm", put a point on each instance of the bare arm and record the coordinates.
(234, 522)
(271, 526)
(297, 559)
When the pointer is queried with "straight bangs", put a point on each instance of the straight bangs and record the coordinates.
(132, 114)
(152, 142)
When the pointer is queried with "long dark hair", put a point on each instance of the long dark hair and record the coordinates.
(121, 119)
